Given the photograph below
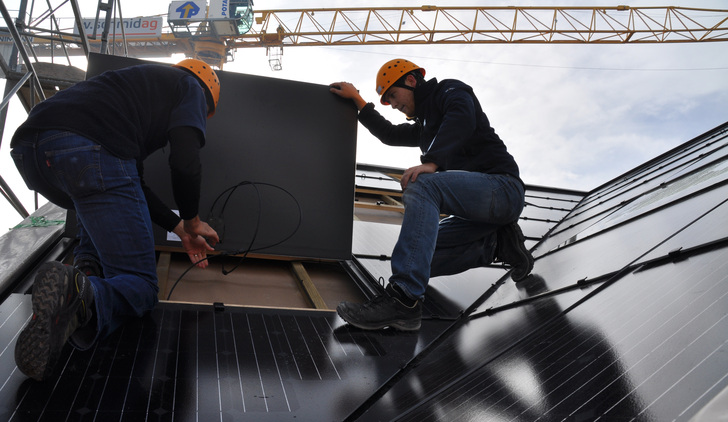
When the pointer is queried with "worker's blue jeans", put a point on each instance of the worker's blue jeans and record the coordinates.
(477, 205)
(114, 224)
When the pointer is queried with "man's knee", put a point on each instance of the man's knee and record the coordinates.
(418, 189)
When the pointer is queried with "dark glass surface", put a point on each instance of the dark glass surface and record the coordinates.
(646, 348)
(692, 169)
(191, 362)
(644, 207)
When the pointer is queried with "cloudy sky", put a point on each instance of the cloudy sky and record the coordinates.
(573, 116)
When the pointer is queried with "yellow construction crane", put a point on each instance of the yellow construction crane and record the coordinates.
(480, 25)
(215, 39)
(451, 25)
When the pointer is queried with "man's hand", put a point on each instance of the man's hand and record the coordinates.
(195, 226)
(410, 175)
(347, 90)
(193, 234)
(196, 248)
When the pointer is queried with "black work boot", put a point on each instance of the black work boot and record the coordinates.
(511, 249)
(62, 302)
(392, 309)
(89, 267)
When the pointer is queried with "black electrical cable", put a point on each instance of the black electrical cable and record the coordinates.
(250, 248)
(293, 232)
(257, 222)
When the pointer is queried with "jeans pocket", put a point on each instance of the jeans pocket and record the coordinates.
(77, 169)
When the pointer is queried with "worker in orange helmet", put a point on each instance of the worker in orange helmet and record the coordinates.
(466, 173)
(83, 149)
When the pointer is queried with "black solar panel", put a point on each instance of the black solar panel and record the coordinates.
(199, 363)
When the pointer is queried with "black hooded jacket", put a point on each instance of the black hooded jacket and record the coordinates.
(450, 128)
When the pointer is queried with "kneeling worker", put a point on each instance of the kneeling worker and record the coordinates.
(466, 173)
(83, 149)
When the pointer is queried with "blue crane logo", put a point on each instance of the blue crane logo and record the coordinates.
(188, 10)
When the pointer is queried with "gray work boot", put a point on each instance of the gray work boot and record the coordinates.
(62, 302)
(89, 267)
(511, 249)
(392, 309)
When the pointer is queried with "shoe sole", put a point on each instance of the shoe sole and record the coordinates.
(37, 348)
(399, 324)
(520, 273)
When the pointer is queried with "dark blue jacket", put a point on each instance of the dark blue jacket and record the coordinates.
(450, 128)
(128, 111)
(131, 113)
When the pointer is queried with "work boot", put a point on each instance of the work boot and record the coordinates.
(89, 267)
(62, 302)
(511, 249)
(392, 309)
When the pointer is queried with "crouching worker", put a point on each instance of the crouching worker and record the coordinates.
(83, 149)
(466, 173)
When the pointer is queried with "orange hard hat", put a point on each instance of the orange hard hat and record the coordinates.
(207, 76)
(390, 73)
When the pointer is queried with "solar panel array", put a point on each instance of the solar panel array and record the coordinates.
(625, 317)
